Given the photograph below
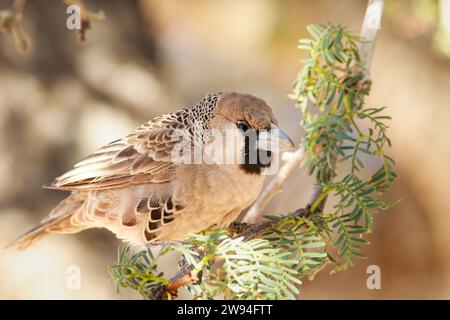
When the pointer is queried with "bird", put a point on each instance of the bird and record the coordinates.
(137, 188)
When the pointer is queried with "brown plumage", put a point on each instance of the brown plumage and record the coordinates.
(134, 188)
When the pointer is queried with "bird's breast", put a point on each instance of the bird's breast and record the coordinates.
(219, 188)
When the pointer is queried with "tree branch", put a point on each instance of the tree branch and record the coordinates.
(369, 30)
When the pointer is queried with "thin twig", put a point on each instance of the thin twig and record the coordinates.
(369, 30)
(185, 275)
(10, 23)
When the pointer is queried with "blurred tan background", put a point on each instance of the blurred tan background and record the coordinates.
(63, 99)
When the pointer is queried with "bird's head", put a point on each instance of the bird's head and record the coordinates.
(243, 130)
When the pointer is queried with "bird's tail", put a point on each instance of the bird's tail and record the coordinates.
(57, 221)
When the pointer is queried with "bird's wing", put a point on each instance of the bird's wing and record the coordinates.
(144, 156)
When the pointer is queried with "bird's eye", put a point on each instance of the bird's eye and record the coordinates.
(242, 125)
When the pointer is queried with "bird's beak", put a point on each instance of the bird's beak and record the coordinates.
(284, 142)
(275, 139)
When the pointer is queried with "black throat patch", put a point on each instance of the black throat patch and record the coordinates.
(255, 159)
